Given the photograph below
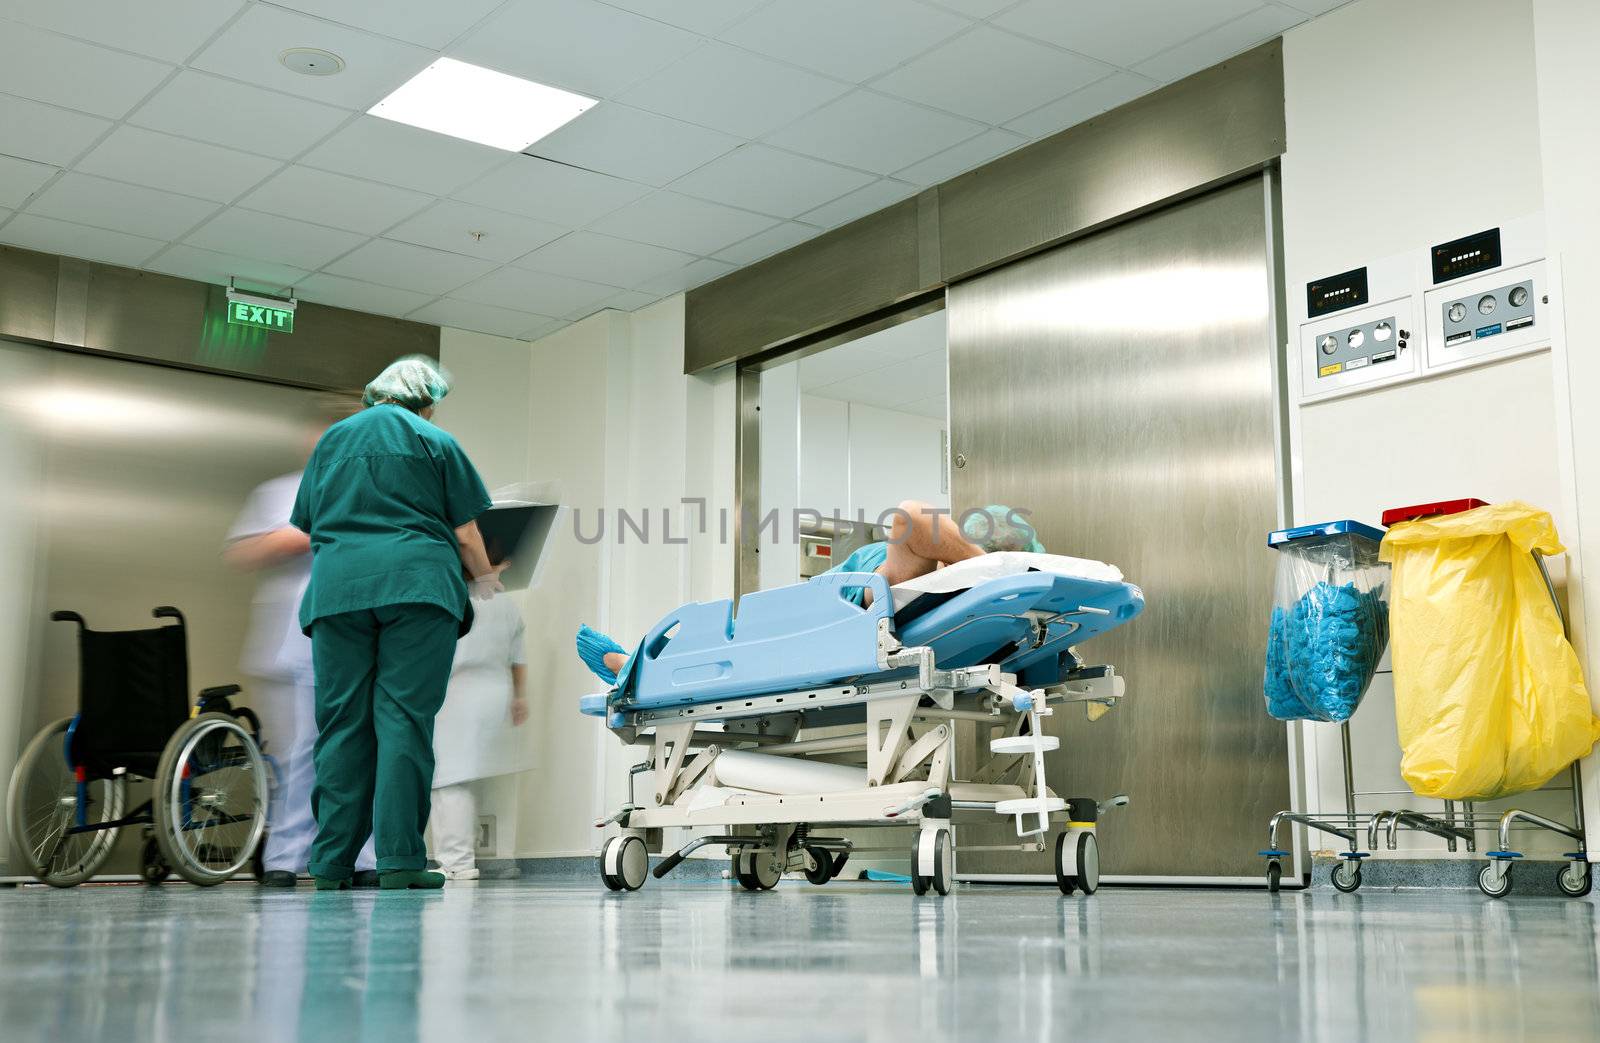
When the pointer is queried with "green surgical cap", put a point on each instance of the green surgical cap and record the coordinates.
(415, 382)
(1000, 528)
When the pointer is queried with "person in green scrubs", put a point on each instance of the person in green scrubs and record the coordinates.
(391, 505)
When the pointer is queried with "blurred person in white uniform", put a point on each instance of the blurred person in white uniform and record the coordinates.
(277, 661)
(471, 737)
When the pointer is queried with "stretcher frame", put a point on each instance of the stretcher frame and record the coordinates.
(908, 747)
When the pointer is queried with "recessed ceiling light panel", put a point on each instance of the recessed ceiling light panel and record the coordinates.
(478, 104)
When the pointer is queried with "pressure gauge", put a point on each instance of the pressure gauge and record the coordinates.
(1357, 338)
(1458, 311)
(1518, 296)
(1329, 344)
(1382, 331)
(1486, 304)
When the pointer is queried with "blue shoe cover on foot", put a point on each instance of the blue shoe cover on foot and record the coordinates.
(592, 649)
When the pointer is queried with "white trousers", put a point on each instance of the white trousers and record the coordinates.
(455, 827)
(289, 729)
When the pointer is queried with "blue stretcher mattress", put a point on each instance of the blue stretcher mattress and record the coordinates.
(812, 635)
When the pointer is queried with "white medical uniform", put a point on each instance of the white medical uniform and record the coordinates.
(472, 736)
(277, 658)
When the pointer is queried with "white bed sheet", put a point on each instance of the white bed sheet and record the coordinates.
(966, 574)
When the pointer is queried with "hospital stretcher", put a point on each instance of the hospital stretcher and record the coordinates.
(807, 710)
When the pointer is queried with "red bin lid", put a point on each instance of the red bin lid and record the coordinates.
(1395, 515)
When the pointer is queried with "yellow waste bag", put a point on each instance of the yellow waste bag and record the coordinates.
(1488, 694)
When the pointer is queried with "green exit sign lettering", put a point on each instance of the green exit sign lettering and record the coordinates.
(261, 316)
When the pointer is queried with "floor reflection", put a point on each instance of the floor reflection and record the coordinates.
(852, 961)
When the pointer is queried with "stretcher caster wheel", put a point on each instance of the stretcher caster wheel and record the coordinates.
(1274, 875)
(932, 862)
(819, 866)
(1347, 875)
(1494, 879)
(756, 870)
(1575, 880)
(152, 867)
(624, 863)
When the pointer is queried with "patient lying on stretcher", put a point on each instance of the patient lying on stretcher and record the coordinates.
(921, 539)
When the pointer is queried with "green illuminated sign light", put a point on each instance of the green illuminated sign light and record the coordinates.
(262, 316)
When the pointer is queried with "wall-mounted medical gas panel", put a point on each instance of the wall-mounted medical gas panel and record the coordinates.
(1482, 297)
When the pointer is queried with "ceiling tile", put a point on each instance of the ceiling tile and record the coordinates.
(688, 277)
(335, 200)
(991, 76)
(629, 300)
(374, 65)
(63, 237)
(765, 244)
(545, 330)
(409, 267)
(21, 178)
(169, 30)
(757, 177)
(448, 225)
(382, 150)
(155, 160)
(770, 93)
(697, 16)
(577, 44)
(209, 266)
(975, 8)
(273, 238)
(1315, 7)
(908, 340)
(196, 105)
(551, 192)
(972, 153)
(630, 143)
(120, 207)
(47, 67)
(480, 318)
(834, 367)
(1224, 42)
(603, 259)
(1122, 33)
(361, 296)
(1101, 96)
(45, 133)
(874, 132)
(860, 203)
(429, 24)
(845, 38)
(680, 223)
(538, 291)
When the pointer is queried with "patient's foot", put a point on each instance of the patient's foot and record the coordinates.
(615, 661)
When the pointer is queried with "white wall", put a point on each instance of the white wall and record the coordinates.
(1381, 160)
(1566, 33)
(894, 456)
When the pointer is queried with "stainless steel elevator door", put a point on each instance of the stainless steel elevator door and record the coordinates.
(1121, 387)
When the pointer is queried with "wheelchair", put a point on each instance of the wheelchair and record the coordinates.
(207, 813)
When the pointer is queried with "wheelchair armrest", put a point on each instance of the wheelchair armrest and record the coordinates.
(221, 691)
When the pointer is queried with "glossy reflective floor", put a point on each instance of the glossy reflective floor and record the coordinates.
(852, 961)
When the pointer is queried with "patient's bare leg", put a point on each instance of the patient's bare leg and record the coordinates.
(920, 540)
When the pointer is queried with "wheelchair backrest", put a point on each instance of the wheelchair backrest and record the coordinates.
(133, 694)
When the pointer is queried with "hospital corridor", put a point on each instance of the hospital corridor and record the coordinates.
(815, 520)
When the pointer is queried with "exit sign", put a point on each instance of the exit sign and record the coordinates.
(261, 316)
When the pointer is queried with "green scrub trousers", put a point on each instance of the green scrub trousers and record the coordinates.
(381, 677)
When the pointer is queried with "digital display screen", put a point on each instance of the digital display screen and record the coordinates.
(1336, 292)
(1464, 256)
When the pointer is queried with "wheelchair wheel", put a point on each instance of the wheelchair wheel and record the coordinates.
(210, 799)
(42, 805)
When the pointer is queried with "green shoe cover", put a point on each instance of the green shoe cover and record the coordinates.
(323, 883)
(419, 879)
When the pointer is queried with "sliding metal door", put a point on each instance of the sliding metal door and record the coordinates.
(1122, 388)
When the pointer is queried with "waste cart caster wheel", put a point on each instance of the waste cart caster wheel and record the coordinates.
(932, 862)
(1274, 875)
(152, 867)
(1494, 879)
(1575, 880)
(819, 865)
(624, 863)
(1347, 876)
(1088, 863)
(1066, 864)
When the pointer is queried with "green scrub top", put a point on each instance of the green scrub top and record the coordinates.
(382, 496)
